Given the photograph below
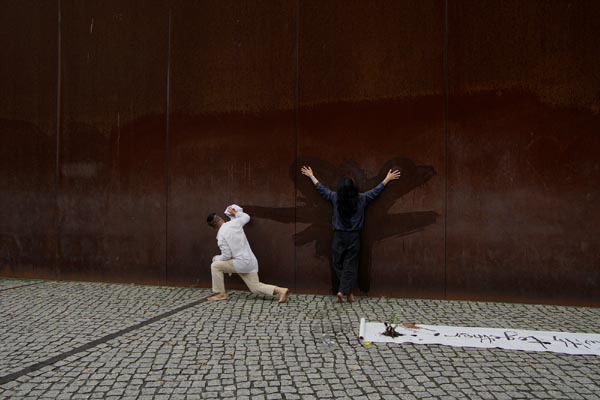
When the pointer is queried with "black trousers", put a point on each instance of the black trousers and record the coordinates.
(345, 250)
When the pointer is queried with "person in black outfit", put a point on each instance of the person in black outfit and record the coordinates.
(348, 219)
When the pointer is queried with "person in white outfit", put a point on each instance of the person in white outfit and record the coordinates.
(236, 256)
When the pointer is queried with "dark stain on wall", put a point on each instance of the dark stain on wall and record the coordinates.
(311, 209)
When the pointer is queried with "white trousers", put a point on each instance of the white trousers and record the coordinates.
(219, 268)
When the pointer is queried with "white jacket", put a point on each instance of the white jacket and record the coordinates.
(234, 245)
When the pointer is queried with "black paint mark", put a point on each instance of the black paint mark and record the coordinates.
(379, 223)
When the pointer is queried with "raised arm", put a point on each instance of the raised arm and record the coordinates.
(243, 217)
(376, 191)
(391, 176)
(239, 215)
(322, 189)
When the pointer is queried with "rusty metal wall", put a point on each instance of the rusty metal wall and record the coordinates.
(231, 132)
(112, 140)
(523, 151)
(366, 105)
(28, 74)
(124, 123)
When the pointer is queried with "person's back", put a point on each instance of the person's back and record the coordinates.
(356, 219)
(347, 220)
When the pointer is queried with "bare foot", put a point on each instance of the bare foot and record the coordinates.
(283, 294)
(350, 298)
(217, 297)
(340, 297)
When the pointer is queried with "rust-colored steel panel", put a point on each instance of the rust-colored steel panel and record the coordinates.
(257, 89)
(28, 79)
(371, 98)
(112, 161)
(523, 151)
(231, 133)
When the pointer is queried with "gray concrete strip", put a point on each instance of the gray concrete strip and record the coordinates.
(21, 286)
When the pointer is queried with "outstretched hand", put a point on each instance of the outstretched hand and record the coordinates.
(392, 176)
(307, 171)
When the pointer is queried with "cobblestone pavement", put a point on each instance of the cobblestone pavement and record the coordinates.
(249, 347)
(49, 318)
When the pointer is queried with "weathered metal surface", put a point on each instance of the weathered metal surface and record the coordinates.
(232, 132)
(256, 90)
(28, 76)
(112, 156)
(523, 151)
(371, 98)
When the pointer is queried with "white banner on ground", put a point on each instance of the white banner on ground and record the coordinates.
(513, 339)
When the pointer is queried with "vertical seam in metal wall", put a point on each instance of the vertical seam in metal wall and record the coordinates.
(58, 131)
(296, 129)
(167, 141)
(446, 90)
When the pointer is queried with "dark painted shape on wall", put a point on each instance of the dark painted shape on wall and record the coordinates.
(312, 209)
(371, 87)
